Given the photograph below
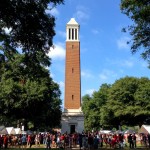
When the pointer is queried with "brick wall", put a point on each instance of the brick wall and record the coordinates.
(72, 76)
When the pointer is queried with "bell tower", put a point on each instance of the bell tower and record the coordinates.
(72, 117)
(72, 72)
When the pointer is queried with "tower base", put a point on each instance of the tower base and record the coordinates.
(72, 121)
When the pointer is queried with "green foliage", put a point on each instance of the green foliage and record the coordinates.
(20, 92)
(27, 92)
(139, 12)
(92, 106)
(30, 27)
(126, 102)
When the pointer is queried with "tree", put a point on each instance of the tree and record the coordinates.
(85, 108)
(30, 27)
(142, 97)
(139, 12)
(127, 103)
(92, 106)
(21, 92)
(26, 35)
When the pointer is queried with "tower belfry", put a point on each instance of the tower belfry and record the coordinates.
(72, 117)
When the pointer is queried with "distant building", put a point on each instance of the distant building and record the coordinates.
(72, 117)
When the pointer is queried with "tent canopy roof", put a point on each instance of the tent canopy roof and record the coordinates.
(3, 130)
(144, 129)
(10, 130)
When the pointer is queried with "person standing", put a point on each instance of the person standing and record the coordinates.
(90, 142)
(28, 140)
(1, 142)
(31, 141)
(58, 141)
(24, 141)
(5, 141)
(145, 140)
(95, 142)
(80, 141)
(37, 140)
(148, 138)
(19, 141)
(134, 140)
(48, 142)
(130, 140)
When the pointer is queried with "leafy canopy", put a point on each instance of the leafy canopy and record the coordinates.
(27, 92)
(27, 25)
(139, 12)
(126, 102)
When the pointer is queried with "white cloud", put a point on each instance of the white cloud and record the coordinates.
(94, 31)
(53, 11)
(121, 71)
(122, 43)
(61, 84)
(90, 91)
(144, 64)
(58, 52)
(86, 74)
(107, 74)
(127, 63)
(47, 68)
(103, 76)
(81, 14)
(7, 30)
(52, 75)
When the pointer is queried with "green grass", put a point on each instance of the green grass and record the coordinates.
(78, 149)
(103, 148)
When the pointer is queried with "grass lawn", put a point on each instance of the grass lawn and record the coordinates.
(139, 148)
(126, 148)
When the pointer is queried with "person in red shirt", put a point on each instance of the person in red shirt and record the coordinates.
(114, 141)
(5, 141)
(62, 140)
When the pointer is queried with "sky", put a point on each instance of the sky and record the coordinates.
(105, 57)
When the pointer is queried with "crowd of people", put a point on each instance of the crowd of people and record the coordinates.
(85, 141)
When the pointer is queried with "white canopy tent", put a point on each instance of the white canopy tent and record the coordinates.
(144, 129)
(17, 130)
(10, 130)
(27, 132)
(129, 131)
(104, 131)
(24, 132)
(3, 130)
